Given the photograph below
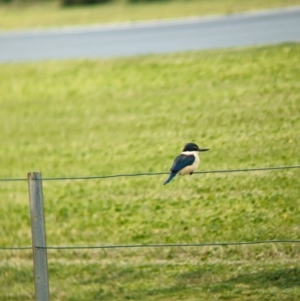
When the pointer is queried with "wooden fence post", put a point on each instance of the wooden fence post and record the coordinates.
(39, 251)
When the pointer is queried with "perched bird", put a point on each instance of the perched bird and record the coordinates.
(186, 162)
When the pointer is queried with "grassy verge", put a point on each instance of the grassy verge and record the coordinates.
(52, 14)
(96, 117)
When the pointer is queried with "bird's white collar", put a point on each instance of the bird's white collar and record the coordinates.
(190, 153)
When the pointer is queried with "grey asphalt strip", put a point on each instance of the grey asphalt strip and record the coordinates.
(130, 39)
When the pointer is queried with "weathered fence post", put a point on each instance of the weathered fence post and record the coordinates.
(39, 251)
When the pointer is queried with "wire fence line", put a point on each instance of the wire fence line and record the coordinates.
(16, 248)
(171, 245)
(153, 174)
(205, 244)
(39, 247)
(155, 245)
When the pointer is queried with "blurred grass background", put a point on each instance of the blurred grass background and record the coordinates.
(32, 14)
(97, 117)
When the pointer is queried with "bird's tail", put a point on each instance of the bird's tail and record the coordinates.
(172, 175)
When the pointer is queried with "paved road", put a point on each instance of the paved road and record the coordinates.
(266, 27)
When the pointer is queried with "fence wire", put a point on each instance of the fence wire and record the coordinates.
(209, 244)
(156, 245)
(216, 244)
(153, 174)
(16, 248)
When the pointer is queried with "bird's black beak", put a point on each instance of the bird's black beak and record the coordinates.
(203, 149)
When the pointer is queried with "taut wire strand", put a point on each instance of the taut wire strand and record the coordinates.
(153, 174)
(174, 245)
(15, 248)
(205, 244)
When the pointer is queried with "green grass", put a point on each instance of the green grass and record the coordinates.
(52, 14)
(98, 117)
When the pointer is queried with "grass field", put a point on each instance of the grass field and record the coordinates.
(52, 14)
(98, 117)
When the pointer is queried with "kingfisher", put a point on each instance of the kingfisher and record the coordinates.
(186, 162)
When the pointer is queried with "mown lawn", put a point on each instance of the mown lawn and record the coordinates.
(47, 14)
(101, 117)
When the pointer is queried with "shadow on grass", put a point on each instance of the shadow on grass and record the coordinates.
(131, 284)
(140, 294)
(281, 278)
